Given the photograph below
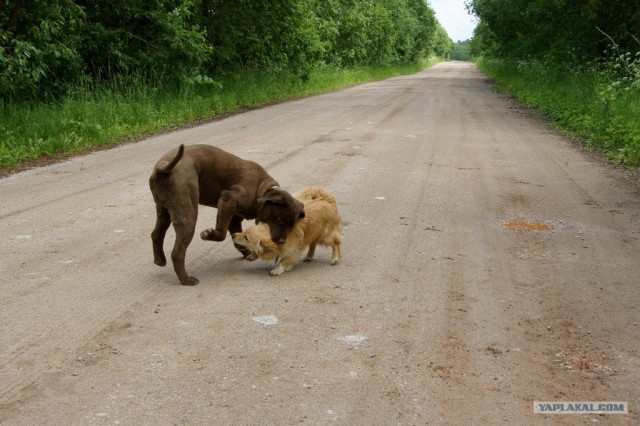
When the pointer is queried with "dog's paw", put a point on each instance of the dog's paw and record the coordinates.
(252, 256)
(212, 235)
(190, 281)
(308, 259)
(335, 261)
(278, 270)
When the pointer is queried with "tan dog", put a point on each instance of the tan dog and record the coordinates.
(321, 225)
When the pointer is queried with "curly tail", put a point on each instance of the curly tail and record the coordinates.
(166, 167)
(316, 193)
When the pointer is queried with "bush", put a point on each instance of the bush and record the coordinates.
(598, 102)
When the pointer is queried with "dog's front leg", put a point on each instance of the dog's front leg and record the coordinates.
(285, 265)
(311, 252)
(278, 270)
(226, 208)
(227, 205)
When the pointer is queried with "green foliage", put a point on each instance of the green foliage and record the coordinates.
(44, 45)
(444, 46)
(126, 108)
(589, 102)
(461, 51)
(362, 32)
(559, 30)
(576, 61)
(261, 35)
(108, 70)
(38, 51)
(160, 38)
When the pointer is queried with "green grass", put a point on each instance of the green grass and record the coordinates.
(127, 109)
(594, 105)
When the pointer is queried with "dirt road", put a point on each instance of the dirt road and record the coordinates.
(487, 263)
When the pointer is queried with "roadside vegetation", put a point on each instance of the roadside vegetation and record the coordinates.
(578, 64)
(461, 51)
(75, 74)
(129, 108)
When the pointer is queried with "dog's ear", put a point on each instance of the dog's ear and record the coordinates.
(272, 195)
(265, 245)
(259, 249)
(239, 239)
(301, 212)
(275, 199)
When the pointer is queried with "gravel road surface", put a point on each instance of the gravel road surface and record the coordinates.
(487, 263)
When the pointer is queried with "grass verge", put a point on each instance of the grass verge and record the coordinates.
(94, 115)
(594, 105)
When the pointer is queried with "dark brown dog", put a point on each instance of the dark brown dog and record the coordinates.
(239, 189)
(274, 209)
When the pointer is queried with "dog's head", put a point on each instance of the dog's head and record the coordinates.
(254, 239)
(280, 211)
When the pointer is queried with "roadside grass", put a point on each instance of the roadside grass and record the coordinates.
(125, 109)
(595, 105)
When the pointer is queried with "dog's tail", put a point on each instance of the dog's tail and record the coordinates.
(316, 193)
(165, 167)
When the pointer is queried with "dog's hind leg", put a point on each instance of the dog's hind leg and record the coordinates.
(185, 228)
(235, 227)
(335, 249)
(163, 221)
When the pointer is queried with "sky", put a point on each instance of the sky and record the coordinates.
(454, 18)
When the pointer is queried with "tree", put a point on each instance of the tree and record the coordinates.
(461, 51)
(443, 43)
(562, 30)
(38, 46)
(47, 45)
(163, 37)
